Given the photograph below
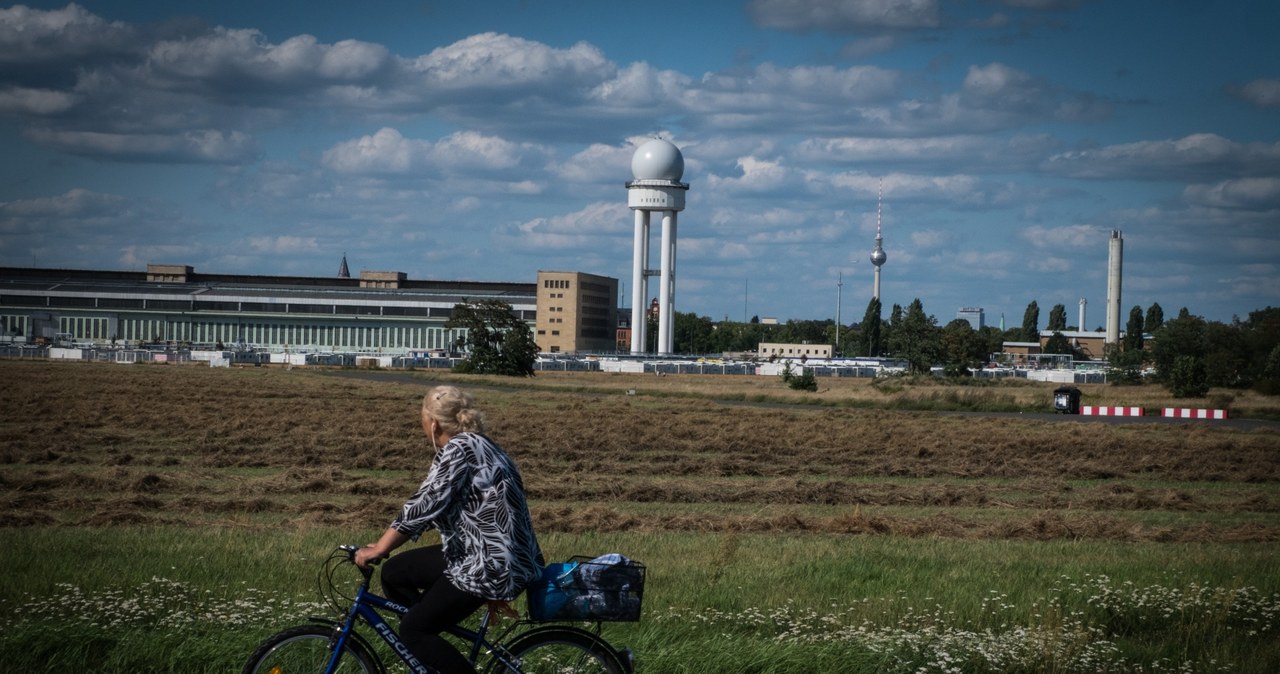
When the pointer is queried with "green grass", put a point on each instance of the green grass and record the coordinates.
(174, 599)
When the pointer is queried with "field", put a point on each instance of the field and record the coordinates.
(784, 531)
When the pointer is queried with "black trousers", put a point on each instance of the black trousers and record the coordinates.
(415, 578)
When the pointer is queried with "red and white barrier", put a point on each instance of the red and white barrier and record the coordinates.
(1194, 413)
(1104, 411)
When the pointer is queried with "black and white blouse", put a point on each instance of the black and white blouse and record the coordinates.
(474, 496)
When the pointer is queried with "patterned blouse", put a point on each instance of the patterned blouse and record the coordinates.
(475, 497)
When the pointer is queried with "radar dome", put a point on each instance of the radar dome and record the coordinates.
(657, 160)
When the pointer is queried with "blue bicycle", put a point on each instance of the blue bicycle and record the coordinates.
(337, 647)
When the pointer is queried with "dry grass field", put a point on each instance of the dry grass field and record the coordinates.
(110, 445)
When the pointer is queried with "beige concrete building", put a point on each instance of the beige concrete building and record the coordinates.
(577, 312)
(776, 350)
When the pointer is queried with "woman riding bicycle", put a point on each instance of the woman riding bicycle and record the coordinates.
(475, 497)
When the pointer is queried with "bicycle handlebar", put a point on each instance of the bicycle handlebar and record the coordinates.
(366, 571)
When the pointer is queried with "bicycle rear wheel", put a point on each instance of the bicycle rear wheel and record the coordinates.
(306, 649)
(561, 650)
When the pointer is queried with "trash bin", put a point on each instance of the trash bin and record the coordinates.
(1066, 400)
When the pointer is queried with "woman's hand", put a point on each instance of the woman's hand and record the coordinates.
(369, 554)
(373, 552)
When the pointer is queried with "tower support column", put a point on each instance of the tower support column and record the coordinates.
(667, 289)
(639, 282)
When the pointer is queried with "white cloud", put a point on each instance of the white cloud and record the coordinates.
(502, 64)
(387, 151)
(579, 229)
(998, 88)
(37, 102)
(771, 93)
(198, 146)
(1262, 93)
(758, 176)
(76, 205)
(930, 238)
(844, 15)
(32, 36)
(1245, 193)
(283, 245)
(1070, 236)
(1173, 159)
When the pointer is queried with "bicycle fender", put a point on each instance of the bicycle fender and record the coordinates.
(596, 639)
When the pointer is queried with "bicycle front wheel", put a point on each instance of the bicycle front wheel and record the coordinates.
(307, 649)
(561, 650)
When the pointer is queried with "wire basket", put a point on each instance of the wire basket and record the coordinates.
(606, 588)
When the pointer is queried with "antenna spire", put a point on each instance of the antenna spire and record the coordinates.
(879, 203)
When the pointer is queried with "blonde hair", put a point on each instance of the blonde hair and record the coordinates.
(454, 409)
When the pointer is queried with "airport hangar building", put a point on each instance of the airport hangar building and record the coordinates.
(376, 312)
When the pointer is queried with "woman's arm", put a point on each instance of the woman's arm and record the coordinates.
(390, 540)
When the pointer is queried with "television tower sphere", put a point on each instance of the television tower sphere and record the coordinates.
(657, 160)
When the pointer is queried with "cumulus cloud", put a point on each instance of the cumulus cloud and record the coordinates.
(33, 37)
(970, 150)
(283, 245)
(495, 63)
(1262, 93)
(759, 176)
(36, 102)
(1202, 154)
(1245, 193)
(579, 229)
(387, 151)
(771, 97)
(930, 238)
(998, 88)
(76, 205)
(1070, 236)
(201, 146)
(844, 16)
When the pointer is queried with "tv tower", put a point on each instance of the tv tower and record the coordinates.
(878, 256)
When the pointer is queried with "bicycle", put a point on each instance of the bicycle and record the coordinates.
(337, 647)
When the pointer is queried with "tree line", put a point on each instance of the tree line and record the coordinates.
(1188, 353)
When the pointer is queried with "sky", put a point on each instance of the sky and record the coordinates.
(489, 140)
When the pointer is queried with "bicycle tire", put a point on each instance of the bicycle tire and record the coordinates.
(562, 650)
(306, 649)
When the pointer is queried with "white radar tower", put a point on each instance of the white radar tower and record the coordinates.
(656, 169)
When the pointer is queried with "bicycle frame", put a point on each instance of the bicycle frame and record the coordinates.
(366, 606)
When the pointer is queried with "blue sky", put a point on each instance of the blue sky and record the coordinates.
(488, 140)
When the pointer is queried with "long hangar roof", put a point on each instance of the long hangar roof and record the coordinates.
(78, 282)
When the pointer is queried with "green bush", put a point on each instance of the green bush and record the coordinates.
(1188, 378)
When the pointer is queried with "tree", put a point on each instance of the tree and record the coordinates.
(1188, 378)
(1031, 322)
(1155, 317)
(1057, 318)
(1262, 338)
(1058, 343)
(916, 339)
(1185, 335)
(497, 341)
(1268, 382)
(1133, 330)
(870, 341)
(961, 348)
(693, 333)
(1227, 357)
